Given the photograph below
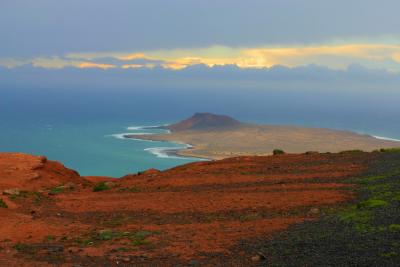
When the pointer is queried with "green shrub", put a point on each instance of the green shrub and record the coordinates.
(372, 203)
(3, 204)
(354, 151)
(107, 235)
(36, 197)
(56, 190)
(137, 238)
(389, 254)
(25, 248)
(50, 238)
(278, 152)
(392, 150)
(101, 186)
(394, 227)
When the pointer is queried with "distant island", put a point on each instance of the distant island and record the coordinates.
(218, 136)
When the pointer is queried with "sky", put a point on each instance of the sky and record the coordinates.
(307, 62)
(177, 34)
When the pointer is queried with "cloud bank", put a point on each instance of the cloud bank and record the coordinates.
(200, 76)
(339, 56)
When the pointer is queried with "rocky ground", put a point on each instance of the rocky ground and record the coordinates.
(285, 210)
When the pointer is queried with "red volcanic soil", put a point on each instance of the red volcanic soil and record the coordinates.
(184, 215)
(33, 173)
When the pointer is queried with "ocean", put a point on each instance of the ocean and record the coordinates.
(84, 130)
(92, 149)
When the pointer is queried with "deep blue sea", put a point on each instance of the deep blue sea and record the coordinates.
(83, 129)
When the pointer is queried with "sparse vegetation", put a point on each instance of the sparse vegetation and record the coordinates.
(250, 217)
(133, 189)
(390, 150)
(36, 197)
(62, 189)
(3, 204)
(364, 233)
(372, 203)
(353, 151)
(23, 248)
(114, 221)
(50, 238)
(394, 227)
(311, 152)
(137, 238)
(57, 190)
(278, 152)
(101, 186)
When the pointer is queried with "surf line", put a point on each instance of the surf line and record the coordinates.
(160, 152)
(386, 138)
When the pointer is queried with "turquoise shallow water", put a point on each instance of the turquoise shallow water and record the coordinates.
(92, 149)
(78, 127)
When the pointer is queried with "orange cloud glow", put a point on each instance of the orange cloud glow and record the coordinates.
(86, 65)
(337, 56)
(132, 66)
(396, 57)
(132, 56)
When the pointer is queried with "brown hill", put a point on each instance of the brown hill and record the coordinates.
(205, 121)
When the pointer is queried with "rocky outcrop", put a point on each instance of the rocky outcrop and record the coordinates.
(26, 172)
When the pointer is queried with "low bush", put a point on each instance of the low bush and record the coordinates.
(354, 151)
(3, 204)
(101, 186)
(390, 150)
(278, 152)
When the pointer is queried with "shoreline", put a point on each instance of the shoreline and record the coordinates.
(199, 144)
(170, 152)
(385, 138)
(162, 152)
(179, 153)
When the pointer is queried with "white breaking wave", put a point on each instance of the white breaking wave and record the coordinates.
(386, 138)
(122, 136)
(155, 127)
(118, 135)
(140, 133)
(135, 128)
(162, 152)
